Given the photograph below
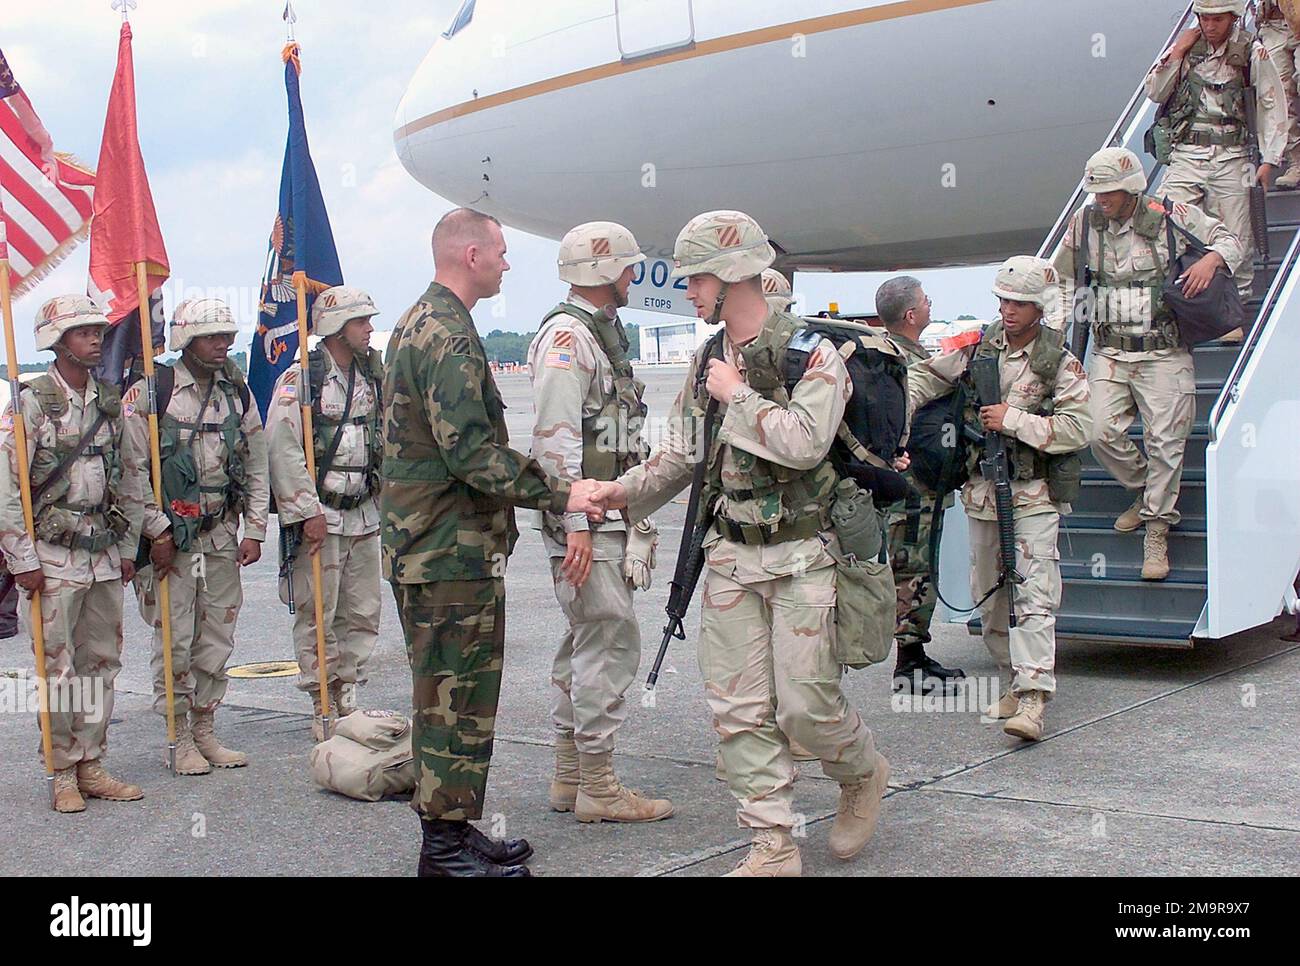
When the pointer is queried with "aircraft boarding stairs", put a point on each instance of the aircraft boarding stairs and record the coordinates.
(1236, 551)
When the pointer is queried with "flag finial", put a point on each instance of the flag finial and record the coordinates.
(126, 6)
(290, 18)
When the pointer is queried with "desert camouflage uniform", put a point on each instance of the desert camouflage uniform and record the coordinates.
(204, 584)
(573, 380)
(81, 605)
(1276, 36)
(447, 518)
(909, 544)
(1158, 383)
(767, 633)
(349, 557)
(1217, 177)
(1026, 656)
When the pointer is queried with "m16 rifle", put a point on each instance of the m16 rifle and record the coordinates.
(690, 554)
(995, 468)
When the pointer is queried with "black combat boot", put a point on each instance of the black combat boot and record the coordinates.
(918, 673)
(444, 853)
(500, 851)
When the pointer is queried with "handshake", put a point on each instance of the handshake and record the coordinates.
(595, 498)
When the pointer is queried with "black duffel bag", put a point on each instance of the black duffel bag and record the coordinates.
(1216, 311)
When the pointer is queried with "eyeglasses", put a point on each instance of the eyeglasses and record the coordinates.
(929, 303)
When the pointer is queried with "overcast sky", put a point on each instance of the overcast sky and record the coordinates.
(212, 116)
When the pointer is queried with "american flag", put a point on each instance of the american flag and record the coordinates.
(45, 199)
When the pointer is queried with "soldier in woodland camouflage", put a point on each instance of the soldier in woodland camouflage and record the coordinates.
(87, 517)
(589, 416)
(905, 309)
(447, 515)
(339, 510)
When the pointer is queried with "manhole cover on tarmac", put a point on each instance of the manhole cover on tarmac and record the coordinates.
(266, 669)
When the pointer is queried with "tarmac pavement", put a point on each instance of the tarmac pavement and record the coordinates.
(1156, 762)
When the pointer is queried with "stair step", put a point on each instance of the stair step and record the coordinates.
(1120, 630)
(1086, 545)
(1073, 572)
(1158, 600)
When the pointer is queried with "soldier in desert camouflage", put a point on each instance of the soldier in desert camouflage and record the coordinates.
(87, 517)
(589, 418)
(215, 474)
(339, 510)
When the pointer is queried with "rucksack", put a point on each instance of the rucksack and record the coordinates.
(939, 443)
(876, 414)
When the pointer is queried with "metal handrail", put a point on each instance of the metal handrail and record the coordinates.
(1119, 134)
(1231, 387)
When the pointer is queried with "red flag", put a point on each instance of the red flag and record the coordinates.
(125, 227)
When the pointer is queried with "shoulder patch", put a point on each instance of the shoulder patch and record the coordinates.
(563, 339)
(7, 420)
(129, 400)
(558, 358)
(287, 394)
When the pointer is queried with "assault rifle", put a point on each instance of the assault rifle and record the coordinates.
(995, 469)
(699, 521)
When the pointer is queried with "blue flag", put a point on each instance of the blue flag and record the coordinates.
(301, 241)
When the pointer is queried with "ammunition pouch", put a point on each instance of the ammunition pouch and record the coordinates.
(1159, 140)
(62, 524)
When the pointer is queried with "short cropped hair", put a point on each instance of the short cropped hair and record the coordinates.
(895, 297)
(458, 229)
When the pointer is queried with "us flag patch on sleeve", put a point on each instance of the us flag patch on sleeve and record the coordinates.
(558, 358)
(129, 400)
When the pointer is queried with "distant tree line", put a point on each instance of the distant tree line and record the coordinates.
(513, 346)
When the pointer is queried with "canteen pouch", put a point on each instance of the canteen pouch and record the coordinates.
(865, 603)
(368, 756)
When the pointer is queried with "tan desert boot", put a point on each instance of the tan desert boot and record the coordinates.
(602, 799)
(1289, 181)
(1027, 722)
(564, 786)
(67, 797)
(94, 781)
(189, 760)
(205, 739)
(317, 725)
(1155, 551)
(1234, 337)
(772, 854)
(1006, 706)
(855, 820)
(1130, 519)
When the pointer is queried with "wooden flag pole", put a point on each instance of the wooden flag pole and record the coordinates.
(155, 464)
(25, 488)
(309, 449)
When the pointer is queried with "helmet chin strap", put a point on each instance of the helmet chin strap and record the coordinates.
(62, 350)
(194, 360)
(716, 317)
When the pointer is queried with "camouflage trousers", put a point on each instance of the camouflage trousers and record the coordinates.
(455, 640)
(770, 677)
(1220, 186)
(598, 656)
(909, 556)
(83, 653)
(206, 596)
(1026, 654)
(1281, 45)
(349, 574)
(1163, 390)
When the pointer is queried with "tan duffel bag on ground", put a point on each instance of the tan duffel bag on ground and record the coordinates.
(368, 756)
